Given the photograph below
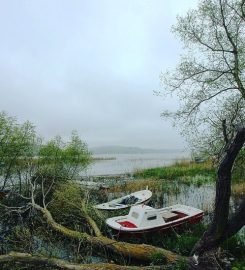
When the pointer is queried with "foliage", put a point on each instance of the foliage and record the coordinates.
(72, 154)
(181, 265)
(183, 243)
(209, 80)
(17, 143)
(24, 158)
(20, 238)
(63, 161)
(236, 245)
(238, 266)
(239, 167)
(158, 259)
(70, 200)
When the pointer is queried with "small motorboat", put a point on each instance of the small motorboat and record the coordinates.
(138, 197)
(144, 219)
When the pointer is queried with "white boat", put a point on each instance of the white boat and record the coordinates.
(144, 219)
(138, 197)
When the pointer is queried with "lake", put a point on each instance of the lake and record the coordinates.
(109, 164)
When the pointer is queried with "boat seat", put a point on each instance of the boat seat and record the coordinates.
(169, 216)
(129, 200)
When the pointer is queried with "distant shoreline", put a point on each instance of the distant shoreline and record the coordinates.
(110, 150)
(102, 158)
(121, 164)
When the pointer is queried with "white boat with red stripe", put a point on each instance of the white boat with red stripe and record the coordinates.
(143, 219)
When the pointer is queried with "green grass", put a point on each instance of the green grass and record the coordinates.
(236, 246)
(184, 240)
(182, 171)
(238, 266)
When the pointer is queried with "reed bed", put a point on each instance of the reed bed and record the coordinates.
(139, 184)
(178, 170)
(238, 188)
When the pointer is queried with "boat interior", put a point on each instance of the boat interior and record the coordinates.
(145, 218)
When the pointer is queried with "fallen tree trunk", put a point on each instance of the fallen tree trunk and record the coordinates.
(136, 252)
(26, 258)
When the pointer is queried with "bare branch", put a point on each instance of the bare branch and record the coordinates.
(225, 131)
(208, 98)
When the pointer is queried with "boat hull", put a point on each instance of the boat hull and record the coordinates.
(143, 219)
(161, 229)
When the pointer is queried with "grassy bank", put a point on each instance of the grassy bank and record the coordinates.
(167, 179)
(184, 171)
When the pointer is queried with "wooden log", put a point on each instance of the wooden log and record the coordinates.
(138, 252)
(28, 259)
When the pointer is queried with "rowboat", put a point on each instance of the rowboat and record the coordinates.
(145, 219)
(138, 197)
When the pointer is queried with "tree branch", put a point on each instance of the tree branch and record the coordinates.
(224, 127)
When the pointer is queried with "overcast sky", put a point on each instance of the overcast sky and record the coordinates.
(91, 66)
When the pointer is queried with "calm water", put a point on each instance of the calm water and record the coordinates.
(200, 197)
(128, 163)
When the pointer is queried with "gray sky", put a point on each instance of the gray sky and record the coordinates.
(91, 66)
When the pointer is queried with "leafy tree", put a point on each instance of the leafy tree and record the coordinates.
(210, 84)
(212, 138)
(25, 159)
(64, 159)
(210, 77)
(17, 142)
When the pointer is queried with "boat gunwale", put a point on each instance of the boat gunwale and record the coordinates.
(177, 207)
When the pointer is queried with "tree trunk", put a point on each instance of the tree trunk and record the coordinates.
(221, 227)
(41, 261)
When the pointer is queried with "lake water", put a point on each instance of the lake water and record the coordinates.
(128, 163)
